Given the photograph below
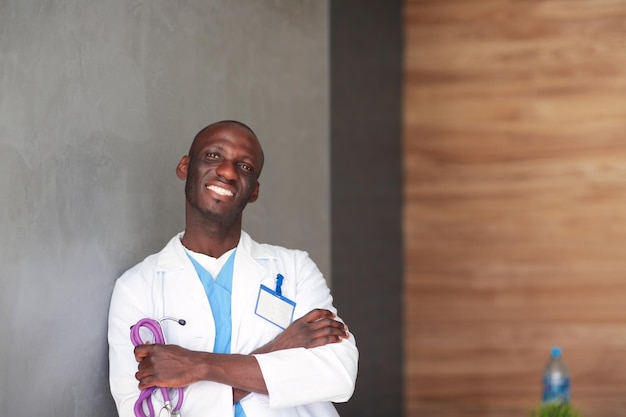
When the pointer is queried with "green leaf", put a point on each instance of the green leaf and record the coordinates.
(555, 409)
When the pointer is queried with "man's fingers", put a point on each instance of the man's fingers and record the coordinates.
(329, 323)
(317, 314)
(325, 340)
(146, 382)
(141, 351)
(145, 378)
(331, 332)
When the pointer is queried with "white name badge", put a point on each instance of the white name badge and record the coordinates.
(274, 308)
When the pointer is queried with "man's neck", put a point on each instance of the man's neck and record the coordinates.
(212, 241)
(208, 245)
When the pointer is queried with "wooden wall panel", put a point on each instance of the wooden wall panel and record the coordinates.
(515, 203)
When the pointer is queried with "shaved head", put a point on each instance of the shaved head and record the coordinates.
(227, 124)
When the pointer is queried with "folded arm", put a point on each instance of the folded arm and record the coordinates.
(316, 328)
(174, 366)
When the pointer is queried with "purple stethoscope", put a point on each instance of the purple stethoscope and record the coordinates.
(145, 397)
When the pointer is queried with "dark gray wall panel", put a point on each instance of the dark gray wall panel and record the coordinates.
(366, 193)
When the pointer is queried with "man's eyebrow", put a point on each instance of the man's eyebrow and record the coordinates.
(210, 146)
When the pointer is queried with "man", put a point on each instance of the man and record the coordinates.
(261, 337)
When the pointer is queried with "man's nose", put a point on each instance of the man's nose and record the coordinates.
(227, 170)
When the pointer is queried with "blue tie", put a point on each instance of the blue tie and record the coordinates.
(219, 291)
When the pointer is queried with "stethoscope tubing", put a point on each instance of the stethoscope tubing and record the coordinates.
(145, 396)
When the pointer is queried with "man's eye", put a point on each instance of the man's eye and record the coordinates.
(212, 155)
(246, 167)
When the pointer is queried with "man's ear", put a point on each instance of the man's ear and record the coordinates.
(181, 169)
(255, 193)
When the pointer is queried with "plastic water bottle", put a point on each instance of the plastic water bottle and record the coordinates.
(556, 378)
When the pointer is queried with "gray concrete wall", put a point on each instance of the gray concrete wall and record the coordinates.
(98, 101)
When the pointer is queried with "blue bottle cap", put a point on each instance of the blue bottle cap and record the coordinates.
(556, 351)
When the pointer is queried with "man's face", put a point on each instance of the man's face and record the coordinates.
(221, 171)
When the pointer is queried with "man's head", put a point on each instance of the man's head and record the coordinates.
(221, 171)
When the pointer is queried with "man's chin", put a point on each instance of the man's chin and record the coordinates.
(217, 216)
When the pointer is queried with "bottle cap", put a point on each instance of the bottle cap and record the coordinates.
(556, 351)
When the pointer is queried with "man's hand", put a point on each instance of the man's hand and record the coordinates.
(165, 366)
(316, 328)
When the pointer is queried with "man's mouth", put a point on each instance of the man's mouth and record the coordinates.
(220, 190)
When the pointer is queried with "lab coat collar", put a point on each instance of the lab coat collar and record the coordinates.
(254, 249)
(170, 257)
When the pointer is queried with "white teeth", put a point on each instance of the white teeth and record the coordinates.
(220, 190)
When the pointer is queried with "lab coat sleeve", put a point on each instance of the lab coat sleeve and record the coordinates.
(123, 312)
(137, 295)
(302, 376)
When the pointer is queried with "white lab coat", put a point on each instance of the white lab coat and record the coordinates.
(300, 382)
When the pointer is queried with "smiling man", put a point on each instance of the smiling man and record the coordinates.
(260, 336)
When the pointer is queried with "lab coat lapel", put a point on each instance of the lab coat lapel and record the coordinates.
(173, 260)
(248, 274)
(185, 290)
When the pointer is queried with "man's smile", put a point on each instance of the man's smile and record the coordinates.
(219, 190)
